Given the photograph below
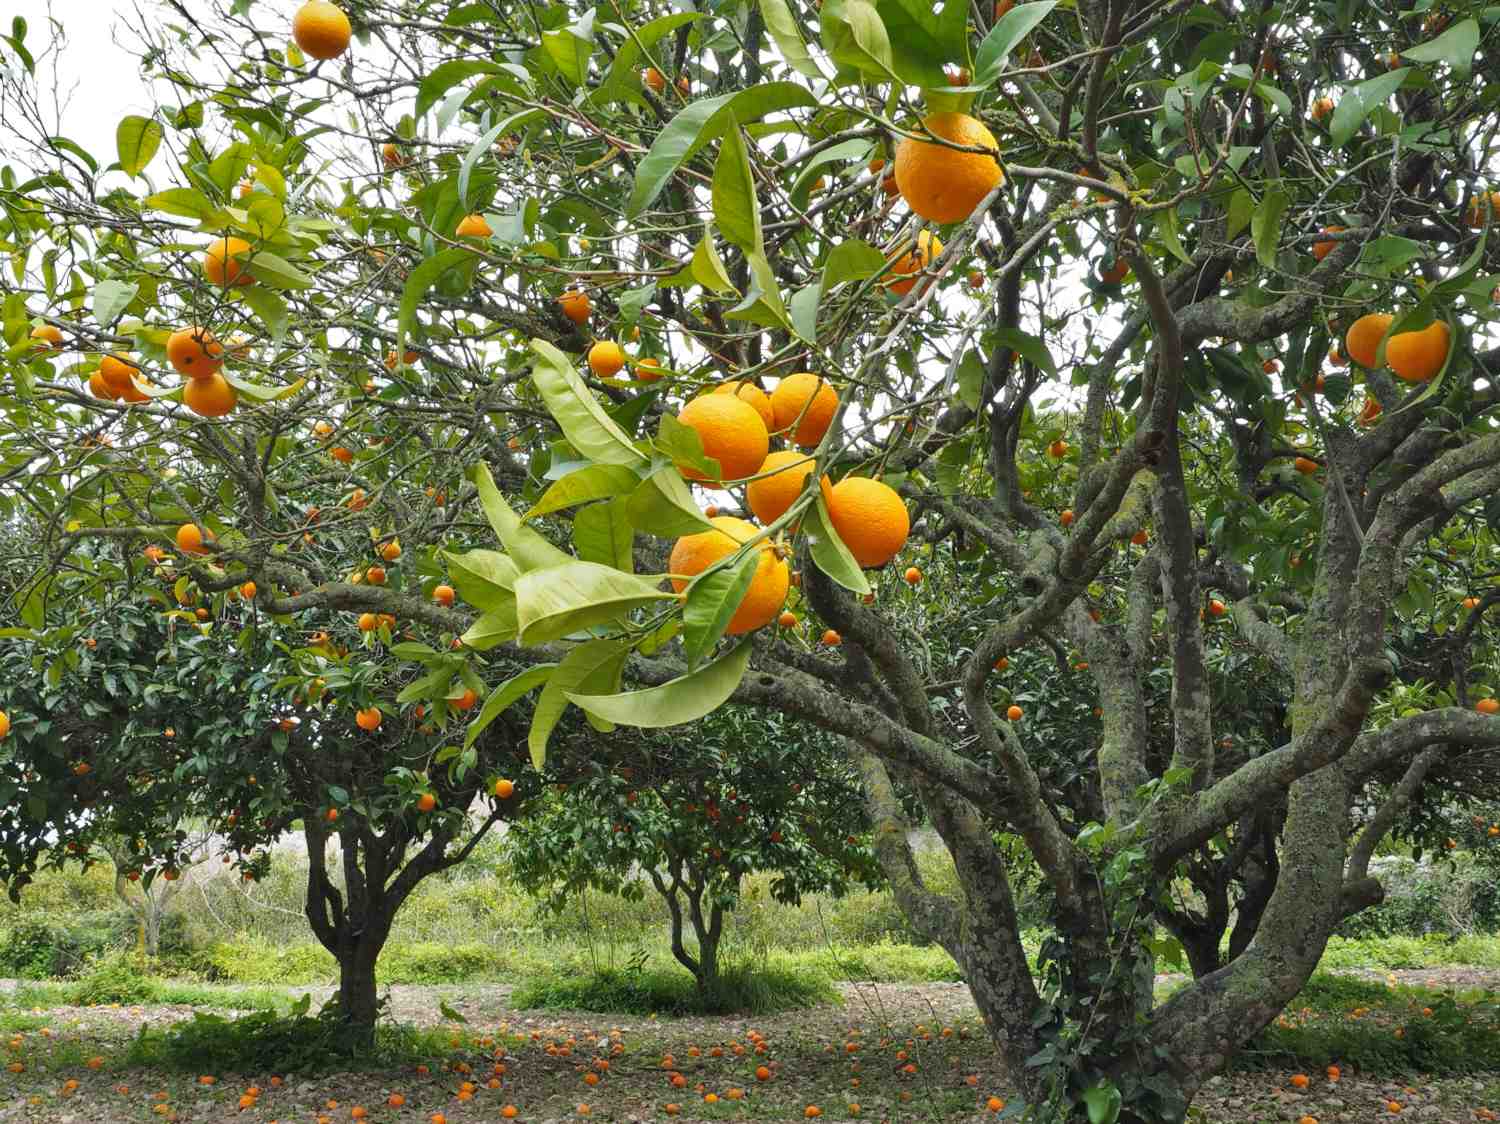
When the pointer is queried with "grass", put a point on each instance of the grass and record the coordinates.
(739, 989)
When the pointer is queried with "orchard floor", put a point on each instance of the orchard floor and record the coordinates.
(918, 1055)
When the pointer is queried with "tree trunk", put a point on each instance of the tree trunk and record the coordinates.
(358, 1001)
(151, 924)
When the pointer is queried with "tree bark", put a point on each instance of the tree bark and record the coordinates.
(358, 1001)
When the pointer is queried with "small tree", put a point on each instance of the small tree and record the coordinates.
(149, 903)
(692, 815)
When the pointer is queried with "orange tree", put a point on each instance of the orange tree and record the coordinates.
(691, 816)
(1063, 279)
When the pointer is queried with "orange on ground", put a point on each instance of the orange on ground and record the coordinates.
(50, 335)
(1322, 249)
(870, 517)
(831, 639)
(472, 226)
(116, 370)
(576, 305)
(368, 719)
(943, 184)
(1418, 356)
(809, 398)
(1299, 1081)
(210, 396)
(220, 264)
(769, 496)
(1362, 340)
(692, 554)
(606, 358)
(194, 352)
(1014, 713)
(752, 394)
(732, 434)
(190, 538)
(907, 265)
(321, 29)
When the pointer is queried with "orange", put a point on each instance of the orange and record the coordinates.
(647, 370)
(576, 305)
(1470, 602)
(1014, 713)
(905, 267)
(692, 554)
(1322, 249)
(443, 594)
(190, 538)
(368, 719)
(762, 1073)
(209, 397)
(221, 264)
(1488, 706)
(194, 352)
(368, 622)
(1271, 366)
(392, 156)
(390, 551)
(788, 619)
(248, 591)
(50, 335)
(1139, 538)
(809, 401)
(116, 370)
(1305, 466)
(1362, 340)
(870, 517)
(1066, 518)
(331, 815)
(321, 29)
(426, 802)
(1299, 1081)
(1058, 449)
(4, 723)
(1483, 208)
(831, 639)
(1002, 663)
(654, 78)
(99, 388)
(1337, 358)
(1418, 356)
(913, 576)
(606, 358)
(994, 1104)
(942, 184)
(769, 496)
(504, 789)
(1321, 108)
(465, 701)
(1115, 273)
(732, 434)
(812, 1111)
(473, 226)
(749, 392)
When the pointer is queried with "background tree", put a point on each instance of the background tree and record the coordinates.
(1191, 195)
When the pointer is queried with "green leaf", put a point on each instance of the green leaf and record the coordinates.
(762, 304)
(1456, 47)
(421, 279)
(700, 123)
(1241, 208)
(188, 202)
(855, 36)
(1027, 346)
(712, 598)
(851, 260)
(136, 142)
(1265, 225)
(736, 209)
(662, 505)
(482, 145)
(623, 79)
(501, 698)
(259, 392)
(570, 47)
(270, 308)
(924, 37)
(1357, 102)
(1004, 37)
(111, 298)
(492, 628)
(602, 534)
(707, 267)
(1102, 1103)
(685, 699)
(829, 553)
(429, 686)
(527, 549)
(577, 412)
(445, 76)
(1167, 228)
(804, 310)
(594, 663)
(779, 21)
(485, 579)
(275, 271)
(597, 482)
(683, 444)
(558, 601)
(970, 379)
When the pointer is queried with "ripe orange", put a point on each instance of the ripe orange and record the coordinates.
(50, 336)
(1014, 713)
(248, 591)
(1002, 663)
(606, 358)
(906, 266)
(762, 1073)
(1322, 249)
(754, 395)
(465, 701)
(391, 363)
(788, 619)
(1362, 340)
(472, 226)
(870, 517)
(1483, 208)
(812, 1111)
(1066, 518)
(1115, 273)
(1370, 412)
(654, 79)
(426, 802)
(769, 496)
(648, 370)
(732, 434)
(390, 551)
(101, 389)
(942, 184)
(331, 815)
(1418, 356)
(115, 371)
(1321, 108)
(223, 264)
(321, 29)
(1299, 1081)
(692, 554)
(392, 156)
(1271, 366)
(807, 400)
(209, 396)
(1305, 466)
(1488, 706)
(1058, 449)
(395, 1100)
(576, 305)
(913, 576)
(504, 789)
(194, 352)
(341, 454)
(190, 538)
(1470, 602)
(1139, 538)
(443, 594)
(375, 575)
(831, 639)
(994, 1104)
(368, 719)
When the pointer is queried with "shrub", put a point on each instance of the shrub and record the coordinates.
(1445, 896)
(40, 948)
(115, 977)
(428, 962)
(247, 961)
(739, 989)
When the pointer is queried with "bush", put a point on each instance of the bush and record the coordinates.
(115, 977)
(428, 962)
(739, 989)
(40, 948)
(247, 961)
(1446, 896)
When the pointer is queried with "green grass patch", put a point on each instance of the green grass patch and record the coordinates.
(739, 989)
(1433, 951)
(883, 963)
